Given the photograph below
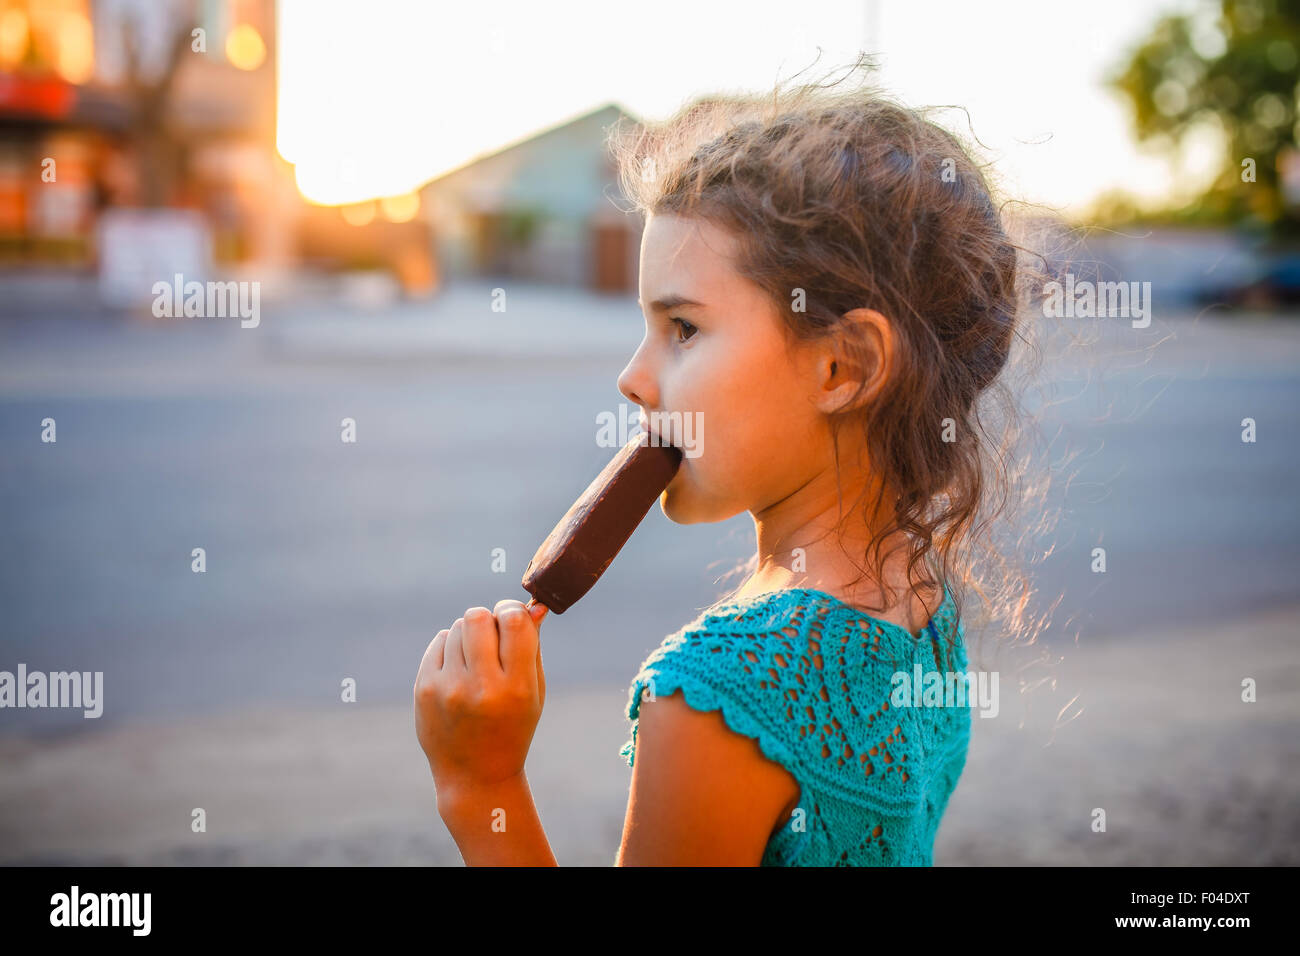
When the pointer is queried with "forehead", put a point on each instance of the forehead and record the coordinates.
(690, 257)
(693, 259)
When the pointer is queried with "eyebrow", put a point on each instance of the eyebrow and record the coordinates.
(671, 301)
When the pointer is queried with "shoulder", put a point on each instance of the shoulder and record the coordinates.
(738, 659)
(762, 638)
(723, 655)
(806, 676)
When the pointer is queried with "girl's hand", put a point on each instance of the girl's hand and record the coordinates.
(478, 696)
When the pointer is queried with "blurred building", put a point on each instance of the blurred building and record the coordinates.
(383, 235)
(158, 103)
(540, 209)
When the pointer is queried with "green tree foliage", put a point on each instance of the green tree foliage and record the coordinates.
(1235, 63)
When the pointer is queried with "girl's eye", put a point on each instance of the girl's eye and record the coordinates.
(682, 324)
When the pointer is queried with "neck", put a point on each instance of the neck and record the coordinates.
(799, 544)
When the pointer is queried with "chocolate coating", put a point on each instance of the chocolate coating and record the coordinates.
(579, 549)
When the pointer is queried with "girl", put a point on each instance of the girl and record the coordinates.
(828, 286)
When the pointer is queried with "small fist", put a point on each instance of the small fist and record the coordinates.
(479, 694)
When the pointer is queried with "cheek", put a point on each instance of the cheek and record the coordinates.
(722, 463)
(758, 443)
(745, 417)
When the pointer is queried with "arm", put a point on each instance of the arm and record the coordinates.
(479, 693)
(701, 794)
(497, 825)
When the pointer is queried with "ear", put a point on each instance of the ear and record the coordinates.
(839, 372)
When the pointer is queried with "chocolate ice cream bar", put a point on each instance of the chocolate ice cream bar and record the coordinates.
(579, 549)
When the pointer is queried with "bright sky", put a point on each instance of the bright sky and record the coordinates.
(377, 98)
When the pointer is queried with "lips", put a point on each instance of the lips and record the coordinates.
(657, 436)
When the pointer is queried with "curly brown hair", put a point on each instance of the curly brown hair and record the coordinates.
(840, 198)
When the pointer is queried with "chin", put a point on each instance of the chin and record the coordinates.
(671, 506)
(681, 508)
(677, 506)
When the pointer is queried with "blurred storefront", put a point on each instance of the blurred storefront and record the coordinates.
(372, 236)
(140, 103)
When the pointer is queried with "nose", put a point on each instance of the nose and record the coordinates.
(636, 381)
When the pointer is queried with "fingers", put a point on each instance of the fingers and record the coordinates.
(541, 675)
(504, 640)
(430, 664)
(453, 656)
(520, 647)
(479, 641)
(538, 612)
(438, 648)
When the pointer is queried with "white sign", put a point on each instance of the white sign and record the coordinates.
(139, 247)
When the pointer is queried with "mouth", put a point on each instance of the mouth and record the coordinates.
(655, 437)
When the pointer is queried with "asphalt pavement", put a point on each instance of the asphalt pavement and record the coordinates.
(328, 560)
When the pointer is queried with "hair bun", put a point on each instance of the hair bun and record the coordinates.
(995, 327)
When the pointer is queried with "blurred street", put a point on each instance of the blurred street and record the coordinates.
(328, 560)
(1187, 774)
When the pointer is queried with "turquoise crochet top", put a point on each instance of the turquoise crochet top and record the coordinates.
(811, 678)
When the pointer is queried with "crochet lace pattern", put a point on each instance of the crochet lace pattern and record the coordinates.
(809, 677)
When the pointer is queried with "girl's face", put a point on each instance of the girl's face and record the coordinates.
(758, 436)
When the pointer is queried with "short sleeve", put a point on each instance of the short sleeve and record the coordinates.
(815, 683)
(712, 671)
